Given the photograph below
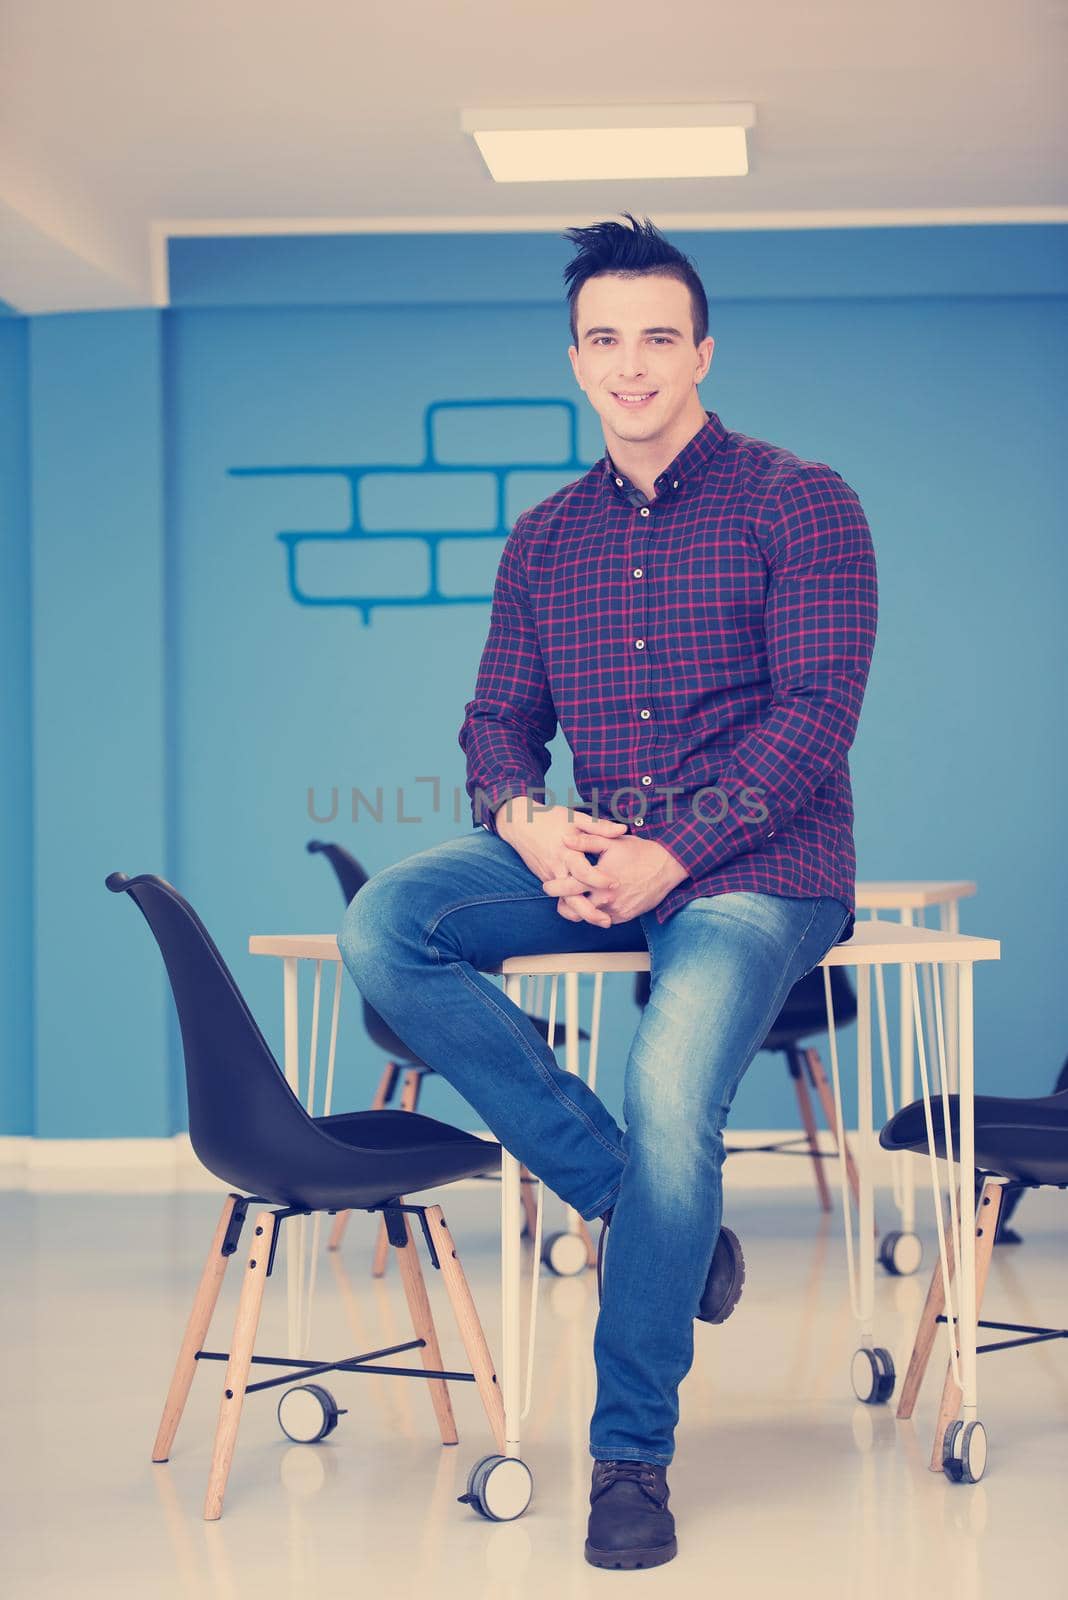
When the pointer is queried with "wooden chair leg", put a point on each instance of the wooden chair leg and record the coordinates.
(423, 1323)
(986, 1227)
(387, 1083)
(237, 1367)
(383, 1095)
(196, 1332)
(808, 1122)
(933, 1308)
(823, 1088)
(409, 1101)
(413, 1083)
(467, 1320)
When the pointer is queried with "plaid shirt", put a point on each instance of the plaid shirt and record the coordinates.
(705, 653)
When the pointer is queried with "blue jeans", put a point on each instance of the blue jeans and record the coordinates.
(414, 939)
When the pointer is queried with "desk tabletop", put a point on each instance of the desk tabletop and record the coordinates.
(873, 944)
(904, 895)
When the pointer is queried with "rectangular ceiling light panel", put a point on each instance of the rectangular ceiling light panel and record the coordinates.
(572, 144)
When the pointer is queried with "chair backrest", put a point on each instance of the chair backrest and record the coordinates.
(350, 875)
(245, 1122)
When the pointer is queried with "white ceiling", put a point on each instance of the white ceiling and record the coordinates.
(120, 117)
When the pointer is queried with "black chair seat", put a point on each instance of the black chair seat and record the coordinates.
(542, 1025)
(803, 1012)
(411, 1152)
(363, 1158)
(398, 1051)
(1022, 1139)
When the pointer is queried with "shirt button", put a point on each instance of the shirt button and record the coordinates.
(639, 822)
(645, 715)
(639, 644)
(647, 779)
(675, 484)
(644, 511)
(637, 572)
(619, 483)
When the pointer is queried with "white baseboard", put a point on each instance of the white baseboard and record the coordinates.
(169, 1166)
(104, 1166)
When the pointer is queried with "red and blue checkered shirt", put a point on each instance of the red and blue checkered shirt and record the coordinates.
(705, 653)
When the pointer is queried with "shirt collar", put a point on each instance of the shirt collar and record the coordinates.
(688, 466)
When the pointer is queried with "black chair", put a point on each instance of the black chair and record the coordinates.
(351, 878)
(249, 1129)
(1019, 1145)
(1012, 1196)
(802, 1017)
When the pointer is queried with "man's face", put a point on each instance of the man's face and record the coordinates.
(635, 337)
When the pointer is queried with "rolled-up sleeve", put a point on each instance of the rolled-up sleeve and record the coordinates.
(820, 621)
(510, 722)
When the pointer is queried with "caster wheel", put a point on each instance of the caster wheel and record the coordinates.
(964, 1452)
(308, 1413)
(499, 1488)
(901, 1253)
(565, 1254)
(873, 1375)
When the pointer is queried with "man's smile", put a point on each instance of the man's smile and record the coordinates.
(636, 399)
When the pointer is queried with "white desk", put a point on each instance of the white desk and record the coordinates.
(875, 944)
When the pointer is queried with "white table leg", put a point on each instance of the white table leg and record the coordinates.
(871, 1368)
(949, 922)
(865, 1163)
(886, 1063)
(906, 1094)
(571, 1059)
(294, 1239)
(967, 1313)
(510, 1283)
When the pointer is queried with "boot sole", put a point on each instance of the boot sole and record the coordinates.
(735, 1291)
(629, 1560)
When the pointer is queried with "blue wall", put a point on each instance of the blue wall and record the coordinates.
(100, 799)
(186, 697)
(16, 791)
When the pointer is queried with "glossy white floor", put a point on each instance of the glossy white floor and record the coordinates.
(782, 1484)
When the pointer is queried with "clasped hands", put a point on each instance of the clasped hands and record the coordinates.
(631, 876)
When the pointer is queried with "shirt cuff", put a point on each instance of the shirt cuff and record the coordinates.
(486, 802)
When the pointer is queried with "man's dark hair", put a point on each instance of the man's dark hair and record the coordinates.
(631, 252)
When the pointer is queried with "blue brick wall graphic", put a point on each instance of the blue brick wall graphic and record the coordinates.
(431, 535)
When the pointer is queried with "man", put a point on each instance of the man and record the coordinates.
(697, 612)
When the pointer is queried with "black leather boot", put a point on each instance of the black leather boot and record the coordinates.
(725, 1281)
(630, 1525)
(726, 1276)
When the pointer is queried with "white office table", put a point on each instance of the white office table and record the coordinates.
(875, 944)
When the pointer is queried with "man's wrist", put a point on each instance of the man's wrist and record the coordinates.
(513, 808)
(673, 869)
